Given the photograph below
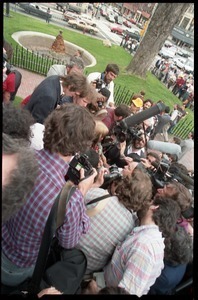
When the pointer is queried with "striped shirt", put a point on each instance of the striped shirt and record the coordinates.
(138, 261)
(108, 228)
(22, 234)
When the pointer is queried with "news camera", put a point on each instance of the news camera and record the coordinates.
(114, 174)
(78, 162)
(128, 128)
(164, 173)
(99, 82)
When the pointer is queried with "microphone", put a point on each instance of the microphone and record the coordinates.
(143, 115)
(164, 147)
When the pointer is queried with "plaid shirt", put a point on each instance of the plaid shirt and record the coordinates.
(108, 228)
(22, 234)
(138, 261)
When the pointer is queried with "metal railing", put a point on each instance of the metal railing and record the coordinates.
(40, 64)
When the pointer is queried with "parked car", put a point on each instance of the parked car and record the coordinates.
(34, 9)
(117, 29)
(118, 20)
(87, 19)
(61, 6)
(69, 16)
(132, 34)
(103, 12)
(183, 53)
(140, 25)
(127, 24)
(179, 62)
(110, 18)
(82, 25)
(189, 66)
(167, 52)
(168, 44)
(132, 20)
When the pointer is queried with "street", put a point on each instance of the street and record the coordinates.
(57, 18)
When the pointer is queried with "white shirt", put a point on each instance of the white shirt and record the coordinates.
(37, 136)
(96, 75)
(57, 70)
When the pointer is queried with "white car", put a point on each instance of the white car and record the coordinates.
(189, 65)
(167, 52)
(87, 19)
(82, 25)
(179, 62)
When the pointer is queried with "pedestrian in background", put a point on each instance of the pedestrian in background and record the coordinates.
(48, 15)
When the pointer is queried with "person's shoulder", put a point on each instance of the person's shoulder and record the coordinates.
(57, 66)
(93, 75)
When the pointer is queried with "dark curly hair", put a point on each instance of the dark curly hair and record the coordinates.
(179, 247)
(109, 290)
(166, 215)
(69, 129)
(135, 192)
(17, 122)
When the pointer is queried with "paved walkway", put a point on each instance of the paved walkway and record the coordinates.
(29, 81)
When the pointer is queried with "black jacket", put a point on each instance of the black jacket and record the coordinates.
(44, 98)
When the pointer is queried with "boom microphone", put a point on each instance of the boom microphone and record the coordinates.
(164, 147)
(143, 115)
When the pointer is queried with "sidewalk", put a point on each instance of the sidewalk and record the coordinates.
(29, 81)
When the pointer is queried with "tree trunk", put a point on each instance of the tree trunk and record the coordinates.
(162, 22)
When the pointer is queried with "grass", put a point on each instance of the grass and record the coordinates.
(153, 88)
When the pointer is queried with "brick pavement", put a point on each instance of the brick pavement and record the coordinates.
(29, 81)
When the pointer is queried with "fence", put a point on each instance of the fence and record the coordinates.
(40, 63)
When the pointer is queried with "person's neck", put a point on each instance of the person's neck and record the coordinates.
(147, 220)
(65, 158)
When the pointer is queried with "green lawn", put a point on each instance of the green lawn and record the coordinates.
(153, 88)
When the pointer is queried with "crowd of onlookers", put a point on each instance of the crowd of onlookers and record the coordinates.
(140, 236)
(180, 82)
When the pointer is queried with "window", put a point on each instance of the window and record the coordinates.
(185, 22)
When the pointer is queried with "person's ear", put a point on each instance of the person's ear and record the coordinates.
(154, 207)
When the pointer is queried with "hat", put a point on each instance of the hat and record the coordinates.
(137, 102)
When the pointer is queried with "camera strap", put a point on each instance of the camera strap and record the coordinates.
(99, 199)
(98, 208)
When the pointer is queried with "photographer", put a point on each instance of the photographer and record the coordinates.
(179, 193)
(105, 79)
(22, 234)
(113, 217)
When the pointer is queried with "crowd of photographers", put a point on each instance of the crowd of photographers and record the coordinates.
(132, 235)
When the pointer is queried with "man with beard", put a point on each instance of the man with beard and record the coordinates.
(105, 80)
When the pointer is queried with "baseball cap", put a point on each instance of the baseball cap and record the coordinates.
(137, 102)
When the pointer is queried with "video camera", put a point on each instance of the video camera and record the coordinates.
(78, 162)
(99, 82)
(127, 128)
(128, 135)
(163, 174)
